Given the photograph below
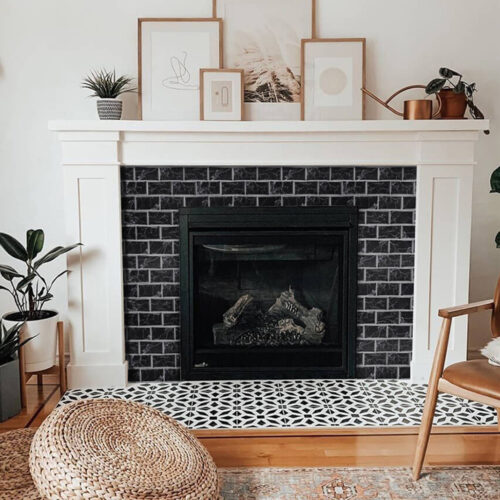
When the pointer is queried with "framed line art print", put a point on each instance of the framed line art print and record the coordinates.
(333, 73)
(221, 94)
(171, 53)
(262, 37)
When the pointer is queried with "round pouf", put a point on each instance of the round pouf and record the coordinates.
(113, 449)
(15, 477)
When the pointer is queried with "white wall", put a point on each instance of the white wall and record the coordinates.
(46, 47)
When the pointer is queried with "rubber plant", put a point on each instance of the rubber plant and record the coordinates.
(495, 188)
(29, 289)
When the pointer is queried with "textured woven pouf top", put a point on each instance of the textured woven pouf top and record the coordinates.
(113, 449)
(15, 478)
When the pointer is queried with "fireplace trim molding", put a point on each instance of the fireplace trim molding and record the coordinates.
(93, 151)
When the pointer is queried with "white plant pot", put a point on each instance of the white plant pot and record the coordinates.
(39, 352)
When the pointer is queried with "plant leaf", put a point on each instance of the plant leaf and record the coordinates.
(34, 242)
(497, 239)
(13, 247)
(435, 85)
(495, 181)
(57, 277)
(53, 254)
(25, 281)
(474, 111)
(9, 272)
(448, 73)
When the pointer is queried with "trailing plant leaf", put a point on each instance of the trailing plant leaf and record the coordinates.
(13, 247)
(474, 111)
(448, 73)
(495, 181)
(34, 242)
(435, 85)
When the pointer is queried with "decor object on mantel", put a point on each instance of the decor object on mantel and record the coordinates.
(455, 97)
(221, 94)
(110, 449)
(492, 351)
(30, 292)
(10, 392)
(171, 54)
(475, 380)
(107, 88)
(495, 188)
(415, 109)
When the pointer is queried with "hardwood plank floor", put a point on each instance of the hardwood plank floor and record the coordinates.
(461, 445)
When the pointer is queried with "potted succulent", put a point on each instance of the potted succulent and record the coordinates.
(455, 94)
(31, 292)
(107, 88)
(10, 391)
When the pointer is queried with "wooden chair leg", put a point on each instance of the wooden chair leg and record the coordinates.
(39, 379)
(62, 367)
(431, 398)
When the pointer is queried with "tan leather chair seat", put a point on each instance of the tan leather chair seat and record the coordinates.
(476, 376)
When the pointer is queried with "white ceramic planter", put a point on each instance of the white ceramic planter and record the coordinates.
(40, 352)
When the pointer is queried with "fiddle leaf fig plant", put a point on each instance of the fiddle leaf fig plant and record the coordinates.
(450, 79)
(495, 188)
(29, 289)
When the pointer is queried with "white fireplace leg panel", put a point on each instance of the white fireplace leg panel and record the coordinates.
(95, 282)
(443, 229)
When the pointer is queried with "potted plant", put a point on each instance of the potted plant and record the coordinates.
(107, 88)
(495, 188)
(455, 94)
(30, 292)
(10, 391)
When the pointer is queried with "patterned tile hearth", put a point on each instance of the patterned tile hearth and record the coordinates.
(294, 403)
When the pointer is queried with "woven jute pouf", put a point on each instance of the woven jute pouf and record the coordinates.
(15, 477)
(113, 449)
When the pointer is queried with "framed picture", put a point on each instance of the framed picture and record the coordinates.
(171, 53)
(333, 73)
(262, 37)
(221, 94)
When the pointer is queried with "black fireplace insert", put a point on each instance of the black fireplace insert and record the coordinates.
(268, 292)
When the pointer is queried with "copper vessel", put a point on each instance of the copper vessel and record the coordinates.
(454, 105)
(416, 109)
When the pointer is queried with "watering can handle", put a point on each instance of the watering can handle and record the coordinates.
(390, 108)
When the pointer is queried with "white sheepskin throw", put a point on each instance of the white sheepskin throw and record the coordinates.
(492, 351)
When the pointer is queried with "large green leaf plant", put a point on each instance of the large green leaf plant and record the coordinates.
(29, 289)
(495, 188)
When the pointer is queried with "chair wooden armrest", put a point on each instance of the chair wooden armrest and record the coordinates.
(452, 312)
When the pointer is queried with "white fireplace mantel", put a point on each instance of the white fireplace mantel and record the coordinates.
(92, 152)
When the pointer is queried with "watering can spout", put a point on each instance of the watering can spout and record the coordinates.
(418, 109)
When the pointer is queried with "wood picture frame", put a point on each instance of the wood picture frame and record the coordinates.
(141, 22)
(304, 42)
(263, 37)
(221, 71)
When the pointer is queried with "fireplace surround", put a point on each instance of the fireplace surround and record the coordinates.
(268, 292)
(93, 153)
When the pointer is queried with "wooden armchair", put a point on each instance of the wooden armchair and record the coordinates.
(476, 380)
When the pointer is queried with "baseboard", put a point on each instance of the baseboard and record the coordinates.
(95, 376)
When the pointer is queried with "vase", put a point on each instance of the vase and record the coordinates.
(109, 109)
(453, 105)
(10, 390)
(40, 352)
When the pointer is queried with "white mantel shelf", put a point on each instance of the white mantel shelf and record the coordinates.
(94, 151)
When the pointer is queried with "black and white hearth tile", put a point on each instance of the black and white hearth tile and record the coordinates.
(359, 416)
(308, 416)
(483, 415)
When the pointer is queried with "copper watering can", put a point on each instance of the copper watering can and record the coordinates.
(416, 109)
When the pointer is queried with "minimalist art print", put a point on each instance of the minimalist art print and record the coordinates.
(333, 75)
(172, 53)
(262, 37)
(221, 94)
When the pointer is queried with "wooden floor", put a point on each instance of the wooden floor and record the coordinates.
(312, 447)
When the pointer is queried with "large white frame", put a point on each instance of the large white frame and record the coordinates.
(93, 151)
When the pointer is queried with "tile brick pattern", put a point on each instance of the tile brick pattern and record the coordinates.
(151, 197)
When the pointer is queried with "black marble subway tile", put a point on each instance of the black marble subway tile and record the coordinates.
(164, 333)
(407, 289)
(195, 173)
(170, 319)
(404, 372)
(257, 188)
(148, 262)
(389, 202)
(294, 173)
(400, 303)
(150, 319)
(317, 201)
(354, 187)
(387, 345)
(171, 347)
(196, 201)
(387, 289)
(309, 187)
(236, 187)
(134, 218)
(137, 305)
(221, 201)
(409, 202)
(364, 345)
(147, 173)
(401, 216)
(401, 246)
(130, 290)
(162, 305)
(170, 232)
(390, 173)
(244, 201)
(367, 289)
(400, 274)
(376, 246)
(171, 174)
(366, 317)
(244, 173)
(386, 372)
(135, 247)
(138, 361)
(398, 187)
(132, 188)
(376, 274)
(160, 247)
(148, 232)
(341, 173)
(129, 233)
(129, 203)
(398, 358)
(162, 188)
(152, 375)
(149, 291)
(269, 173)
(147, 202)
(127, 173)
(220, 173)
(400, 332)
(367, 372)
(171, 203)
(170, 290)
(375, 359)
(365, 232)
(132, 347)
(407, 260)
(136, 276)
(342, 201)
(159, 218)
(183, 188)
(375, 331)
(330, 187)
(405, 345)
(294, 201)
(389, 232)
(375, 303)
(408, 232)
(366, 173)
(161, 275)
(367, 261)
(278, 187)
(406, 317)
(366, 202)
(378, 187)
(317, 173)
(410, 173)
(377, 217)
(388, 260)
(137, 333)
(151, 347)
(388, 317)
(131, 319)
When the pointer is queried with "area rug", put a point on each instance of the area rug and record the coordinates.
(440, 483)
